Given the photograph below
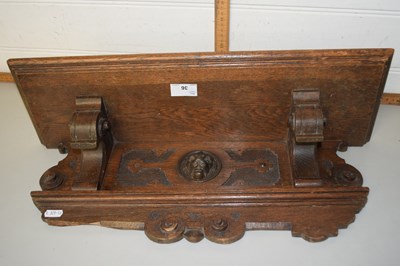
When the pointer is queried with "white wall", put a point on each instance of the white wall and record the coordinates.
(72, 27)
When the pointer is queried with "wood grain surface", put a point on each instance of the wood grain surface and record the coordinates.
(252, 87)
(387, 98)
(260, 119)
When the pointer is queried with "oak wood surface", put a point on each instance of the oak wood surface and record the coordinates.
(243, 116)
(136, 92)
(387, 98)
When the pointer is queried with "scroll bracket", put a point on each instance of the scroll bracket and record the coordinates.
(306, 126)
(91, 135)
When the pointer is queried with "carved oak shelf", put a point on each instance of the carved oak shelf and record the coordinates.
(254, 150)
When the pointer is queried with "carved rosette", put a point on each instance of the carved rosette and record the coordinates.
(172, 228)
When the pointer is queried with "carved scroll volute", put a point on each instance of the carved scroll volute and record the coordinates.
(91, 134)
(307, 120)
(306, 124)
(83, 127)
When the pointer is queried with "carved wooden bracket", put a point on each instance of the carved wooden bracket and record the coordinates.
(91, 135)
(306, 124)
(212, 165)
(307, 119)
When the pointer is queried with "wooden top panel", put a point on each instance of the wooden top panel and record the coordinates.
(242, 96)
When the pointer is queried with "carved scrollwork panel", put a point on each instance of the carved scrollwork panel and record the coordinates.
(255, 167)
(143, 167)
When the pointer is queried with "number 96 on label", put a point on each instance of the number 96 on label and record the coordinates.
(182, 90)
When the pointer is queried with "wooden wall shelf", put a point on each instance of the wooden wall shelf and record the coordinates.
(252, 145)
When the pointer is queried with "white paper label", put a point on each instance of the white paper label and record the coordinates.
(53, 213)
(183, 90)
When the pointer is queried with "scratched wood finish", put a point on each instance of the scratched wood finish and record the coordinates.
(241, 115)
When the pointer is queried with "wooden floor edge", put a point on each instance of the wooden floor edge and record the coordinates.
(387, 98)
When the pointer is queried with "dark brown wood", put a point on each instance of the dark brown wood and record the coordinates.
(306, 123)
(255, 150)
